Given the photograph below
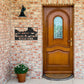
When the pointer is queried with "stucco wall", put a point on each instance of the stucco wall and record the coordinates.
(29, 51)
(4, 41)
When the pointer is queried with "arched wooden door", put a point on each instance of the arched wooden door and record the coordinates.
(58, 40)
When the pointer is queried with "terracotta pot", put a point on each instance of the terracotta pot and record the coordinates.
(21, 77)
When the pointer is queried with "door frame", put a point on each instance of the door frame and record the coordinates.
(53, 5)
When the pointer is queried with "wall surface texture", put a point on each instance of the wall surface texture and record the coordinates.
(4, 41)
(29, 51)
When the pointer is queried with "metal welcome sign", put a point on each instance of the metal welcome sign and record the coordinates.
(27, 33)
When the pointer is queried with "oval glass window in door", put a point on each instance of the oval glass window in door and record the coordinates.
(58, 28)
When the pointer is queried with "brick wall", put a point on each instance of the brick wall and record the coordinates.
(30, 52)
(4, 41)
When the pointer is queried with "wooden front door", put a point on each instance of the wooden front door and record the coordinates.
(57, 39)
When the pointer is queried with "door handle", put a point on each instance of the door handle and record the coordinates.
(70, 41)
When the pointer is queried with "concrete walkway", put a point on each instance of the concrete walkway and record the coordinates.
(45, 81)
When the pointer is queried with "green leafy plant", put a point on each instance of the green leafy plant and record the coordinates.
(21, 69)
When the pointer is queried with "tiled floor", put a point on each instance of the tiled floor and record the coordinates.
(44, 81)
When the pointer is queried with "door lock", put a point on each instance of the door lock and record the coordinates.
(70, 41)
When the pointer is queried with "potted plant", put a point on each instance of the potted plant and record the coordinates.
(21, 70)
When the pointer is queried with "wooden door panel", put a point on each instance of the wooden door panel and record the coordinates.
(58, 58)
(58, 52)
(48, 49)
(51, 40)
